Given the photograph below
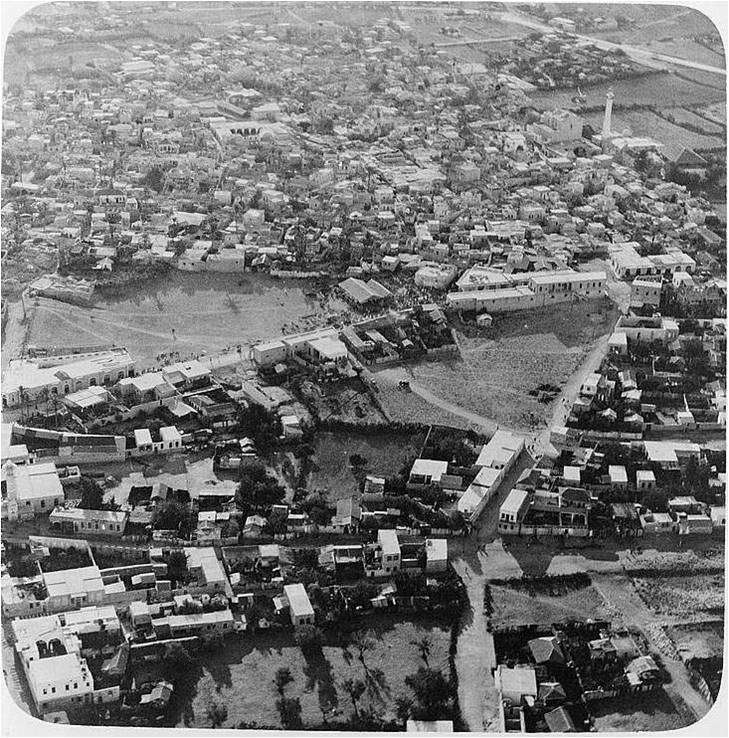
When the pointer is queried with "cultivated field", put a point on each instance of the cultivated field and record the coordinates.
(206, 312)
(683, 116)
(698, 640)
(385, 455)
(242, 675)
(683, 595)
(646, 123)
(661, 88)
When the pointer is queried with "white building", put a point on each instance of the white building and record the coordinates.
(31, 489)
(390, 547)
(436, 554)
(513, 510)
(300, 609)
(31, 381)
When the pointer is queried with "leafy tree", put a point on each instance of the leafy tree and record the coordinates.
(656, 501)
(177, 566)
(257, 489)
(357, 460)
(403, 708)
(92, 496)
(216, 711)
(177, 662)
(308, 638)
(171, 515)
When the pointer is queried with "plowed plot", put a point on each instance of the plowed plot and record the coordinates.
(685, 595)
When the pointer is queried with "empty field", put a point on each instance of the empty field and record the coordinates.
(512, 607)
(497, 370)
(186, 313)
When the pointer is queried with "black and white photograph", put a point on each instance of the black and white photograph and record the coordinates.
(363, 367)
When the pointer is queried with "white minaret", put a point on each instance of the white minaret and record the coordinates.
(607, 120)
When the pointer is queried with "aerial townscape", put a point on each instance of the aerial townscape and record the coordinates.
(364, 366)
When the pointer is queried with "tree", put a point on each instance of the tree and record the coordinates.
(362, 643)
(172, 515)
(355, 688)
(424, 646)
(282, 679)
(216, 711)
(290, 710)
(308, 638)
(177, 662)
(656, 501)
(433, 693)
(257, 489)
(92, 496)
(177, 566)
(356, 460)
(403, 707)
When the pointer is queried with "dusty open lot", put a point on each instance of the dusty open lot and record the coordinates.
(242, 675)
(206, 312)
(512, 607)
(498, 368)
(385, 455)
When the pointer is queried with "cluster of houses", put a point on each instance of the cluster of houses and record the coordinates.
(300, 179)
(582, 494)
(79, 630)
(547, 678)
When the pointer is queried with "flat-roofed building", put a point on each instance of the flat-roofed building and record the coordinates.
(300, 608)
(205, 625)
(513, 510)
(501, 451)
(480, 491)
(89, 522)
(390, 547)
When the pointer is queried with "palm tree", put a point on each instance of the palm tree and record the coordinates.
(363, 643)
(282, 679)
(423, 645)
(355, 688)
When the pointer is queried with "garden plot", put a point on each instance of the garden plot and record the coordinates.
(698, 640)
(683, 116)
(683, 595)
(242, 675)
(384, 455)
